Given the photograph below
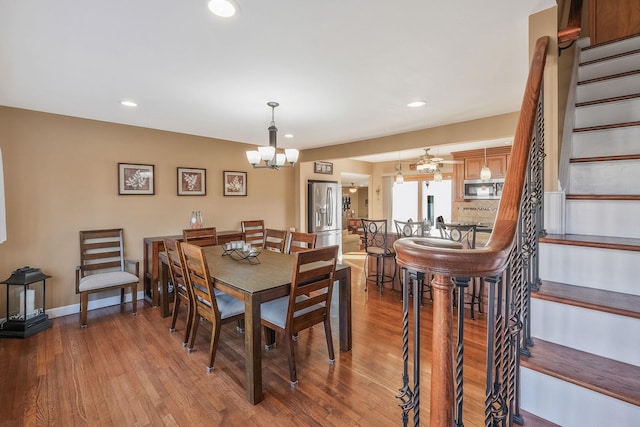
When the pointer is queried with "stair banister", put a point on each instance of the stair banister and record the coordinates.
(427, 255)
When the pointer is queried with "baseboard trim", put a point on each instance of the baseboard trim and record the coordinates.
(93, 305)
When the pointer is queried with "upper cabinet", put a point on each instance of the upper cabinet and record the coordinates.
(496, 163)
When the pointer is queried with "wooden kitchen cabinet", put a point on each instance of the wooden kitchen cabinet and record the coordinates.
(497, 164)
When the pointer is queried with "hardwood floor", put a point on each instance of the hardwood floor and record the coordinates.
(125, 370)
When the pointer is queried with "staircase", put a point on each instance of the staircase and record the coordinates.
(584, 368)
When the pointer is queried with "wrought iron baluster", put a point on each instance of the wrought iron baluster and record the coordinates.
(461, 284)
(406, 393)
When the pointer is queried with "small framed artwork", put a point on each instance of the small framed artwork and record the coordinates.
(235, 183)
(135, 179)
(192, 182)
(323, 167)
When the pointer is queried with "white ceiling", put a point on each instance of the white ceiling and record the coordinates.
(341, 70)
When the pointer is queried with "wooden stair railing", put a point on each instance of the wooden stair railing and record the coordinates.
(571, 32)
(430, 256)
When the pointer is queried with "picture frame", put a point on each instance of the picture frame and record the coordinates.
(234, 183)
(323, 167)
(135, 179)
(192, 182)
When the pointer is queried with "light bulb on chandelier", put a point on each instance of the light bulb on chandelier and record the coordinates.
(268, 154)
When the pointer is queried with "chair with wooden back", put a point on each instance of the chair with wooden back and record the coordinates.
(275, 240)
(253, 232)
(103, 267)
(182, 292)
(200, 236)
(301, 241)
(308, 302)
(217, 308)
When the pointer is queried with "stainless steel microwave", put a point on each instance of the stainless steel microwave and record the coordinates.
(479, 189)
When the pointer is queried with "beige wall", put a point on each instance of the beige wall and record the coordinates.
(61, 177)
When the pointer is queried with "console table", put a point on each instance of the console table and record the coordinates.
(154, 245)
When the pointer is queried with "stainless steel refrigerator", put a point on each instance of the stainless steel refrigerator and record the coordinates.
(324, 214)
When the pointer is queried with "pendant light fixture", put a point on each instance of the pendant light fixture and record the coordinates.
(268, 154)
(485, 172)
(437, 175)
(399, 179)
(353, 188)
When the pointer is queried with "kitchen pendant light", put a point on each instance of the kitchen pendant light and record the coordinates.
(485, 172)
(437, 175)
(399, 179)
(268, 154)
(353, 188)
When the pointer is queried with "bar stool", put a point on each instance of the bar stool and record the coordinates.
(465, 234)
(414, 229)
(375, 245)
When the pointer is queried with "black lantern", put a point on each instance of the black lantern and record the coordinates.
(25, 314)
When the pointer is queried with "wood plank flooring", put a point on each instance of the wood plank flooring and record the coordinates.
(125, 370)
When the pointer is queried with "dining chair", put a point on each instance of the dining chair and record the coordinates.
(377, 247)
(254, 232)
(275, 240)
(200, 236)
(103, 267)
(308, 302)
(217, 309)
(182, 292)
(301, 241)
(414, 229)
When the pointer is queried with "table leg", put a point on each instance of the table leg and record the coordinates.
(344, 307)
(253, 348)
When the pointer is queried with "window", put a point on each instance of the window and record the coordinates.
(413, 199)
(405, 202)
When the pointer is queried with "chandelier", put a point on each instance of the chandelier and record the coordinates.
(268, 154)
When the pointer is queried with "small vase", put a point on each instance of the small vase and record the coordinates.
(196, 219)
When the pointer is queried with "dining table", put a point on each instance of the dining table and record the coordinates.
(254, 281)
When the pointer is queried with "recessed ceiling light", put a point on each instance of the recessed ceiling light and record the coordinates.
(128, 103)
(415, 104)
(222, 8)
(288, 135)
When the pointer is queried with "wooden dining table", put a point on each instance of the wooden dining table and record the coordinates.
(258, 282)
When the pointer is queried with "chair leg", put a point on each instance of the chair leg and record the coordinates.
(177, 302)
(134, 299)
(84, 306)
(213, 347)
(122, 299)
(366, 273)
(269, 338)
(293, 374)
(327, 333)
(194, 330)
(187, 331)
(380, 279)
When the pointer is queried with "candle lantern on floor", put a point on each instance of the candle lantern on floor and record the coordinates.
(25, 309)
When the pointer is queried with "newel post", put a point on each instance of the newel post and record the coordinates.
(442, 386)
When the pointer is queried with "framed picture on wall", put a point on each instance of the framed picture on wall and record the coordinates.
(192, 182)
(323, 167)
(235, 183)
(135, 179)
